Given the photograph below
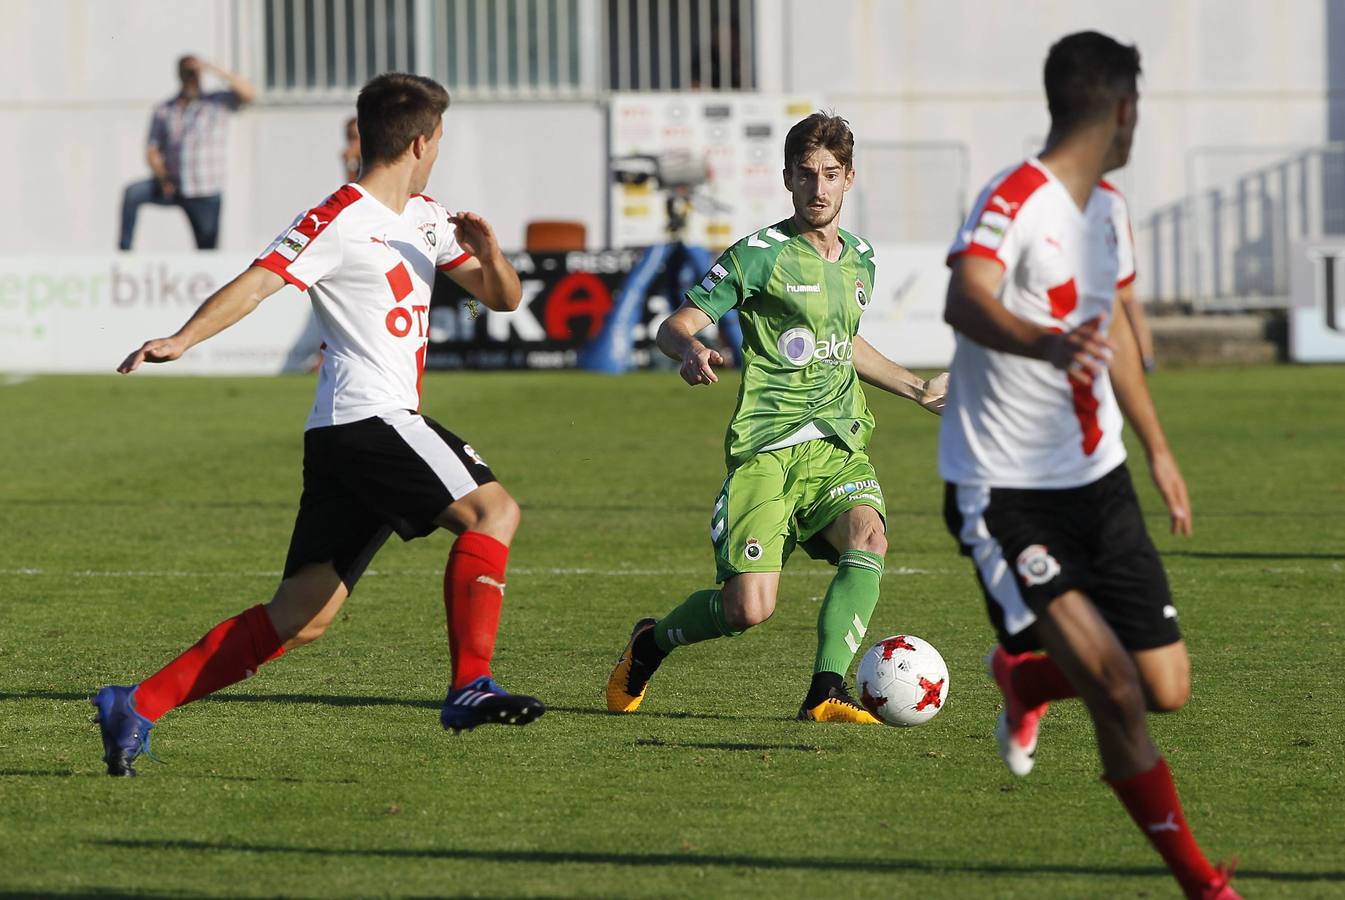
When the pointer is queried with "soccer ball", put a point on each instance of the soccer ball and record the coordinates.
(903, 680)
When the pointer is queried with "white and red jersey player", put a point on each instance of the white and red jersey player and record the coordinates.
(1012, 421)
(369, 273)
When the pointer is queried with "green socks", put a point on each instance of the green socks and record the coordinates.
(699, 618)
(841, 624)
(844, 617)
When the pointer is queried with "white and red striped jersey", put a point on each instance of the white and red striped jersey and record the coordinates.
(1015, 422)
(369, 273)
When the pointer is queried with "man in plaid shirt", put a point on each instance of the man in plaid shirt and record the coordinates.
(187, 139)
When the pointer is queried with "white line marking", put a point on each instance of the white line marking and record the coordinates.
(394, 573)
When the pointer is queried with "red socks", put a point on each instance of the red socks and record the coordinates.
(473, 594)
(1151, 799)
(228, 653)
(1038, 680)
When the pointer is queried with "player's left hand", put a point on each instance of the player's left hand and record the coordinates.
(475, 235)
(932, 397)
(160, 350)
(1170, 483)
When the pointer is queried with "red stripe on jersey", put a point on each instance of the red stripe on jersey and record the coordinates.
(1108, 186)
(314, 222)
(1011, 193)
(277, 263)
(454, 263)
(322, 215)
(974, 250)
(1085, 410)
(1064, 298)
(1005, 199)
(1126, 282)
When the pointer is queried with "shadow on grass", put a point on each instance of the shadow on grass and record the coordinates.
(694, 745)
(1209, 554)
(737, 861)
(343, 700)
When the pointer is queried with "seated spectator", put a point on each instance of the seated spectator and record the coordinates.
(186, 150)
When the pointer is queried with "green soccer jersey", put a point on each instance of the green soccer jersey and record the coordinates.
(799, 315)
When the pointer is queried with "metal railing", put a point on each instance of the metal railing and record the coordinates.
(1226, 245)
(308, 50)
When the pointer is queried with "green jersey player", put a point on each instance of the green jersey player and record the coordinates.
(797, 470)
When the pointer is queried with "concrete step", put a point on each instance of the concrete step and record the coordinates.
(1217, 340)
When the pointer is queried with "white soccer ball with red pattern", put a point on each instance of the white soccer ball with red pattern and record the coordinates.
(903, 680)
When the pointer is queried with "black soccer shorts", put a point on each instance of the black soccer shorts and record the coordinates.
(1031, 546)
(365, 480)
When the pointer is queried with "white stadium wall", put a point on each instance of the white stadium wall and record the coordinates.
(78, 79)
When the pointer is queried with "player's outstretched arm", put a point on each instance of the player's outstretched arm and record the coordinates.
(677, 339)
(876, 369)
(487, 276)
(1132, 393)
(220, 310)
(973, 309)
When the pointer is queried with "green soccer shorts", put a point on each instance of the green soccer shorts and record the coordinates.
(781, 498)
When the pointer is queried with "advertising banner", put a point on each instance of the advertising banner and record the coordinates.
(85, 314)
(721, 153)
(568, 299)
(599, 310)
(904, 320)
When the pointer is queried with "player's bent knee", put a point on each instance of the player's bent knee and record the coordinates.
(747, 617)
(743, 613)
(873, 542)
(1170, 695)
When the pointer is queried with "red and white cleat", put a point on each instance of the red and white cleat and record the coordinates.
(1220, 888)
(1016, 730)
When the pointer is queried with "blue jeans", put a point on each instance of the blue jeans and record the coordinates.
(202, 212)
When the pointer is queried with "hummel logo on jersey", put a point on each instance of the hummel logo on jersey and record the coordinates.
(804, 288)
(317, 223)
(1168, 824)
(1009, 208)
(716, 274)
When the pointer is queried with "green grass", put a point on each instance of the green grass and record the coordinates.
(137, 512)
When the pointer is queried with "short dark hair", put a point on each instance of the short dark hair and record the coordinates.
(394, 109)
(820, 131)
(1086, 74)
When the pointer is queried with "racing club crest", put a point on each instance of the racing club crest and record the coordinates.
(427, 230)
(1036, 565)
(861, 297)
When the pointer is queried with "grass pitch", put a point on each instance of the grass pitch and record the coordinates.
(137, 512)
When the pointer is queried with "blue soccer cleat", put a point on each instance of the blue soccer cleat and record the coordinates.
(483, 702)
(125, 731)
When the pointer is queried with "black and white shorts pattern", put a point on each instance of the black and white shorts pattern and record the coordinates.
(1031, 546)
(365, 480)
